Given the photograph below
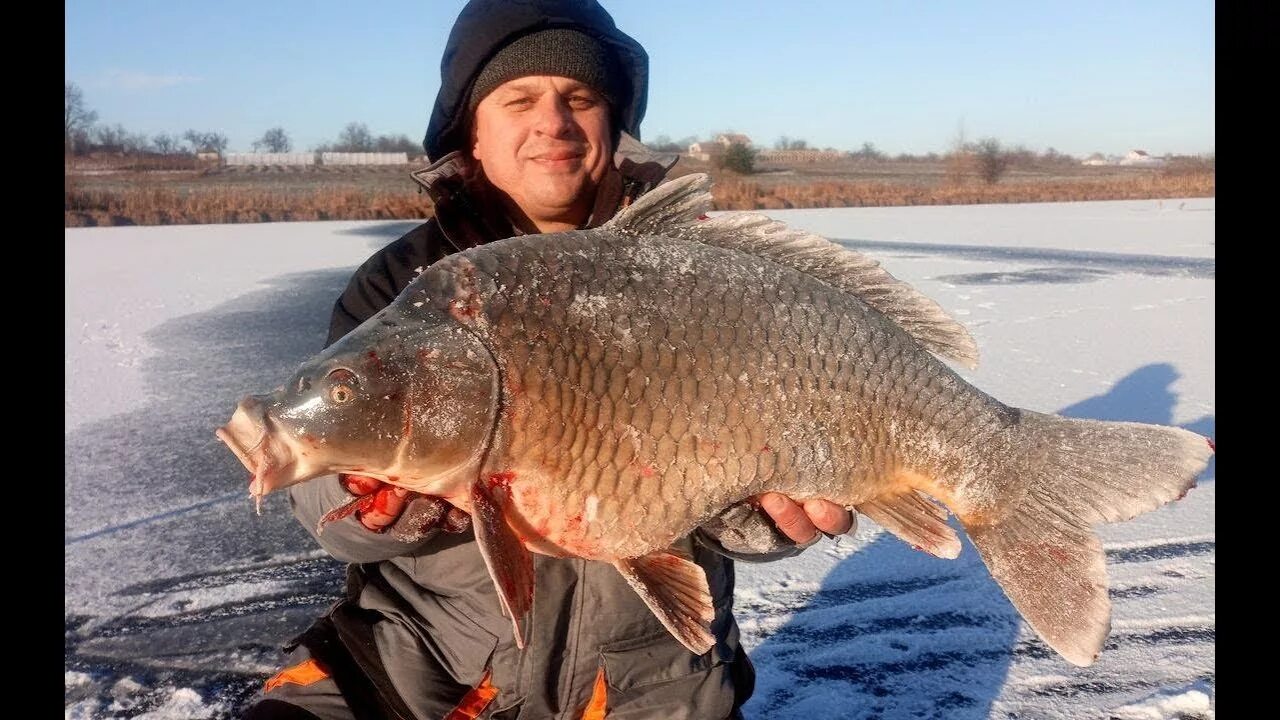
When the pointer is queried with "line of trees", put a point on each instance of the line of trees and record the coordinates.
(85, 135)
(355, 137)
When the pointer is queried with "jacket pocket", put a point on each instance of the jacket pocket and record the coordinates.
(656, 658)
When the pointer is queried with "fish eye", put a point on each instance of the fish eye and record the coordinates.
(343, 385)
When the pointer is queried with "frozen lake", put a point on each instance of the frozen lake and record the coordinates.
(177, 595)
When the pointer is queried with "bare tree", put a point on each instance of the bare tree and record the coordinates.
(786, 143)
(111, 138)
(355, 137)
(961, 162)
(203, 141)
(869, 152)
(136, 143)
(275, 140)
(166, 144)
(79, 118)
(396, 143)
(664, 144)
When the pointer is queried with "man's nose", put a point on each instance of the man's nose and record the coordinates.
(554, 117)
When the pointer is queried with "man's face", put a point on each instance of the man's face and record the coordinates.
(546, 142)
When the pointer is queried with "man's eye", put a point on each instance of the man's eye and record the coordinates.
(519, 103)
(580, 102)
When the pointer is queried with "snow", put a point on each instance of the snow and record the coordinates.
(177, 596)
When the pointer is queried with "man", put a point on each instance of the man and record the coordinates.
(533, 131)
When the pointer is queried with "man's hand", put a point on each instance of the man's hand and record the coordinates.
(802, 523)
(384, 507)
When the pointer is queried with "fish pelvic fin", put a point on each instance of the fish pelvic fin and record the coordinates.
(675, 589)
(1044, 552)
(915, 519)
(508, 560)
(677, 208)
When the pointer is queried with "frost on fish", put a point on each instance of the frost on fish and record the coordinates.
(648, 374)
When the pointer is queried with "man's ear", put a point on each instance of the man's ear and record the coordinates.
(472, 137)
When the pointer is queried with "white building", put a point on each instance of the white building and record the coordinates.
(1140, 158)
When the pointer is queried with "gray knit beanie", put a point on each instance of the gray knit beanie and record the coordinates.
(559, 51)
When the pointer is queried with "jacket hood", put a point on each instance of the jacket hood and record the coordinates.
(485, 26)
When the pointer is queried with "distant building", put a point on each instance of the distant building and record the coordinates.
(706, 151)
(208, 154)
(269, 159)
(1096, 159)
(728, 139)
(364, 158)
(714, 149)
(1141, 158)
(809, 155)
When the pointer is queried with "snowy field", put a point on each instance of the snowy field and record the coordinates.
(177, 595)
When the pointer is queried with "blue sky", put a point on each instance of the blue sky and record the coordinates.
(1078, 76)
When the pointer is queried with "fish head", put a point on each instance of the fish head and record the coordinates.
(408, 398)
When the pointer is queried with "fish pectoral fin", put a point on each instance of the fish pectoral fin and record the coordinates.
(916, 519)
(675, 589)
(509, 562)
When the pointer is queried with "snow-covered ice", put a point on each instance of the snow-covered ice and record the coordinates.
(178, 595)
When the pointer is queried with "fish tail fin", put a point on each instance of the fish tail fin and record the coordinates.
(1044, 552)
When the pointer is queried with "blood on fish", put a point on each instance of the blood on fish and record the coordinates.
(374, 362)
(462, 308)
(1057, 554)
(501, 480)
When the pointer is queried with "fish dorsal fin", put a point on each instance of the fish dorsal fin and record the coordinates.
(673, 208)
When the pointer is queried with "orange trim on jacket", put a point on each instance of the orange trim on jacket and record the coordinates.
(304, 673)
(596, 708)
(475, 701)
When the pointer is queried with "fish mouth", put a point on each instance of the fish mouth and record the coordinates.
(270, 461)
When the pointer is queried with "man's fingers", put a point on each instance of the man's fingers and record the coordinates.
(360, 484)
(790, 518)
(829, 517)
(388, 503)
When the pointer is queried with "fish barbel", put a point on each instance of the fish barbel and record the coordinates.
(600, 393)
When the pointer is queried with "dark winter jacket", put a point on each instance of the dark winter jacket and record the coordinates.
(426, 609)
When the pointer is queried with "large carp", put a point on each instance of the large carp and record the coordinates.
(600, 393)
